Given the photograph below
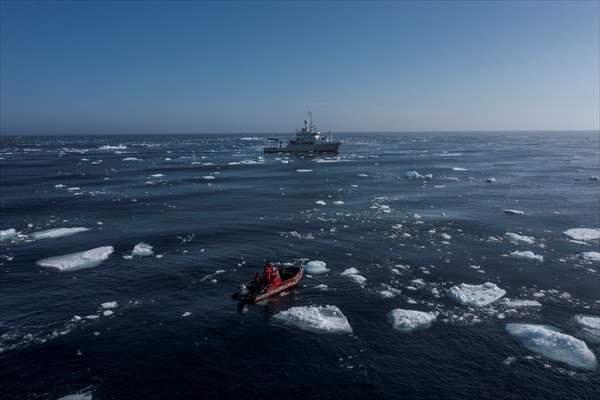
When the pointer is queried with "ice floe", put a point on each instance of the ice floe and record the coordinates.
(583, 234)
(131, 159)
(321, 319)
(518, 303)
(476, 295)
(321, 202)
(304, 170)
(490, 180)
(553, 344)
(410, 320)
(516, 238)
(109, 305)
(527, 255)
(57, 232)
(354, 274)
(142, 250)
(8, 234)
(75, 261)
(514, 212)
(316, 267)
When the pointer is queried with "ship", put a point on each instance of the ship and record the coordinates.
(307, 140)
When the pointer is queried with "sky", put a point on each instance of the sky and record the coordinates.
(119, 67)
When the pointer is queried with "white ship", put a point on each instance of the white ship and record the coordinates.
(307, 140)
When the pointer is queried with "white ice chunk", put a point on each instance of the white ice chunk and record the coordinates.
(304, 170)
(186, 314)
(516, 238)
(131, 159)
(57, 232)
(527, 255)
(109, 147)
(459, 169)
(142, 249)
(315, 267)
(416, 175)
(476, 295)
(491, 180)
(8, 234)
(587, 321)
(321, 202)
(551, 343)
(107, 313)
(350, 271)
(410, 320)
(325, 319)
(338, 203)
(361, 280)
(514, 212)
(582, 233)
(80, 260)
(109, 304)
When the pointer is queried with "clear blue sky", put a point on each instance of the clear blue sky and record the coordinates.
(187, 67)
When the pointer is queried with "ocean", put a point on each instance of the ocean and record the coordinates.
(402, 221)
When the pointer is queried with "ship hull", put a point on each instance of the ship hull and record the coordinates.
(329, 147)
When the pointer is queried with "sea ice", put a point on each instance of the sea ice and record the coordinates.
(476, 295)
(410, 320)
(583, 234)
(361, 280)
(80, 260)
(131, 159)
(142, 249)
(516, 238)
(321, 202)
(107, 313)
(350, 271)
(109, 305)
(8, 234)
(527, 255)
(514, 212)
(491, 180)
(551, 343)
(303, 170)
(338, 203)
(315, 267)
(109, 147)
(57, 232)
(459, 169)
(325, 319)
(587, 321)
(590, 256)
(186, 314)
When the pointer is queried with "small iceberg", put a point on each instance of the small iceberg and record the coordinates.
(514, 212)
(410, 320)
(109, 305)
(551, 343)
(142, 250)
(582, 234)
(75, 261)
(527, 255)
(476, 295)
(516, 238)
(57, 232)
(320, 319)
(321, 202)
(315, 267)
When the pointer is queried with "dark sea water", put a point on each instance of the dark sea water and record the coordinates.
(220, 209)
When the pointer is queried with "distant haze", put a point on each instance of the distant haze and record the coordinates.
(195, 67)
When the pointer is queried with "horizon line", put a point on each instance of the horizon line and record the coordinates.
(290, 133)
